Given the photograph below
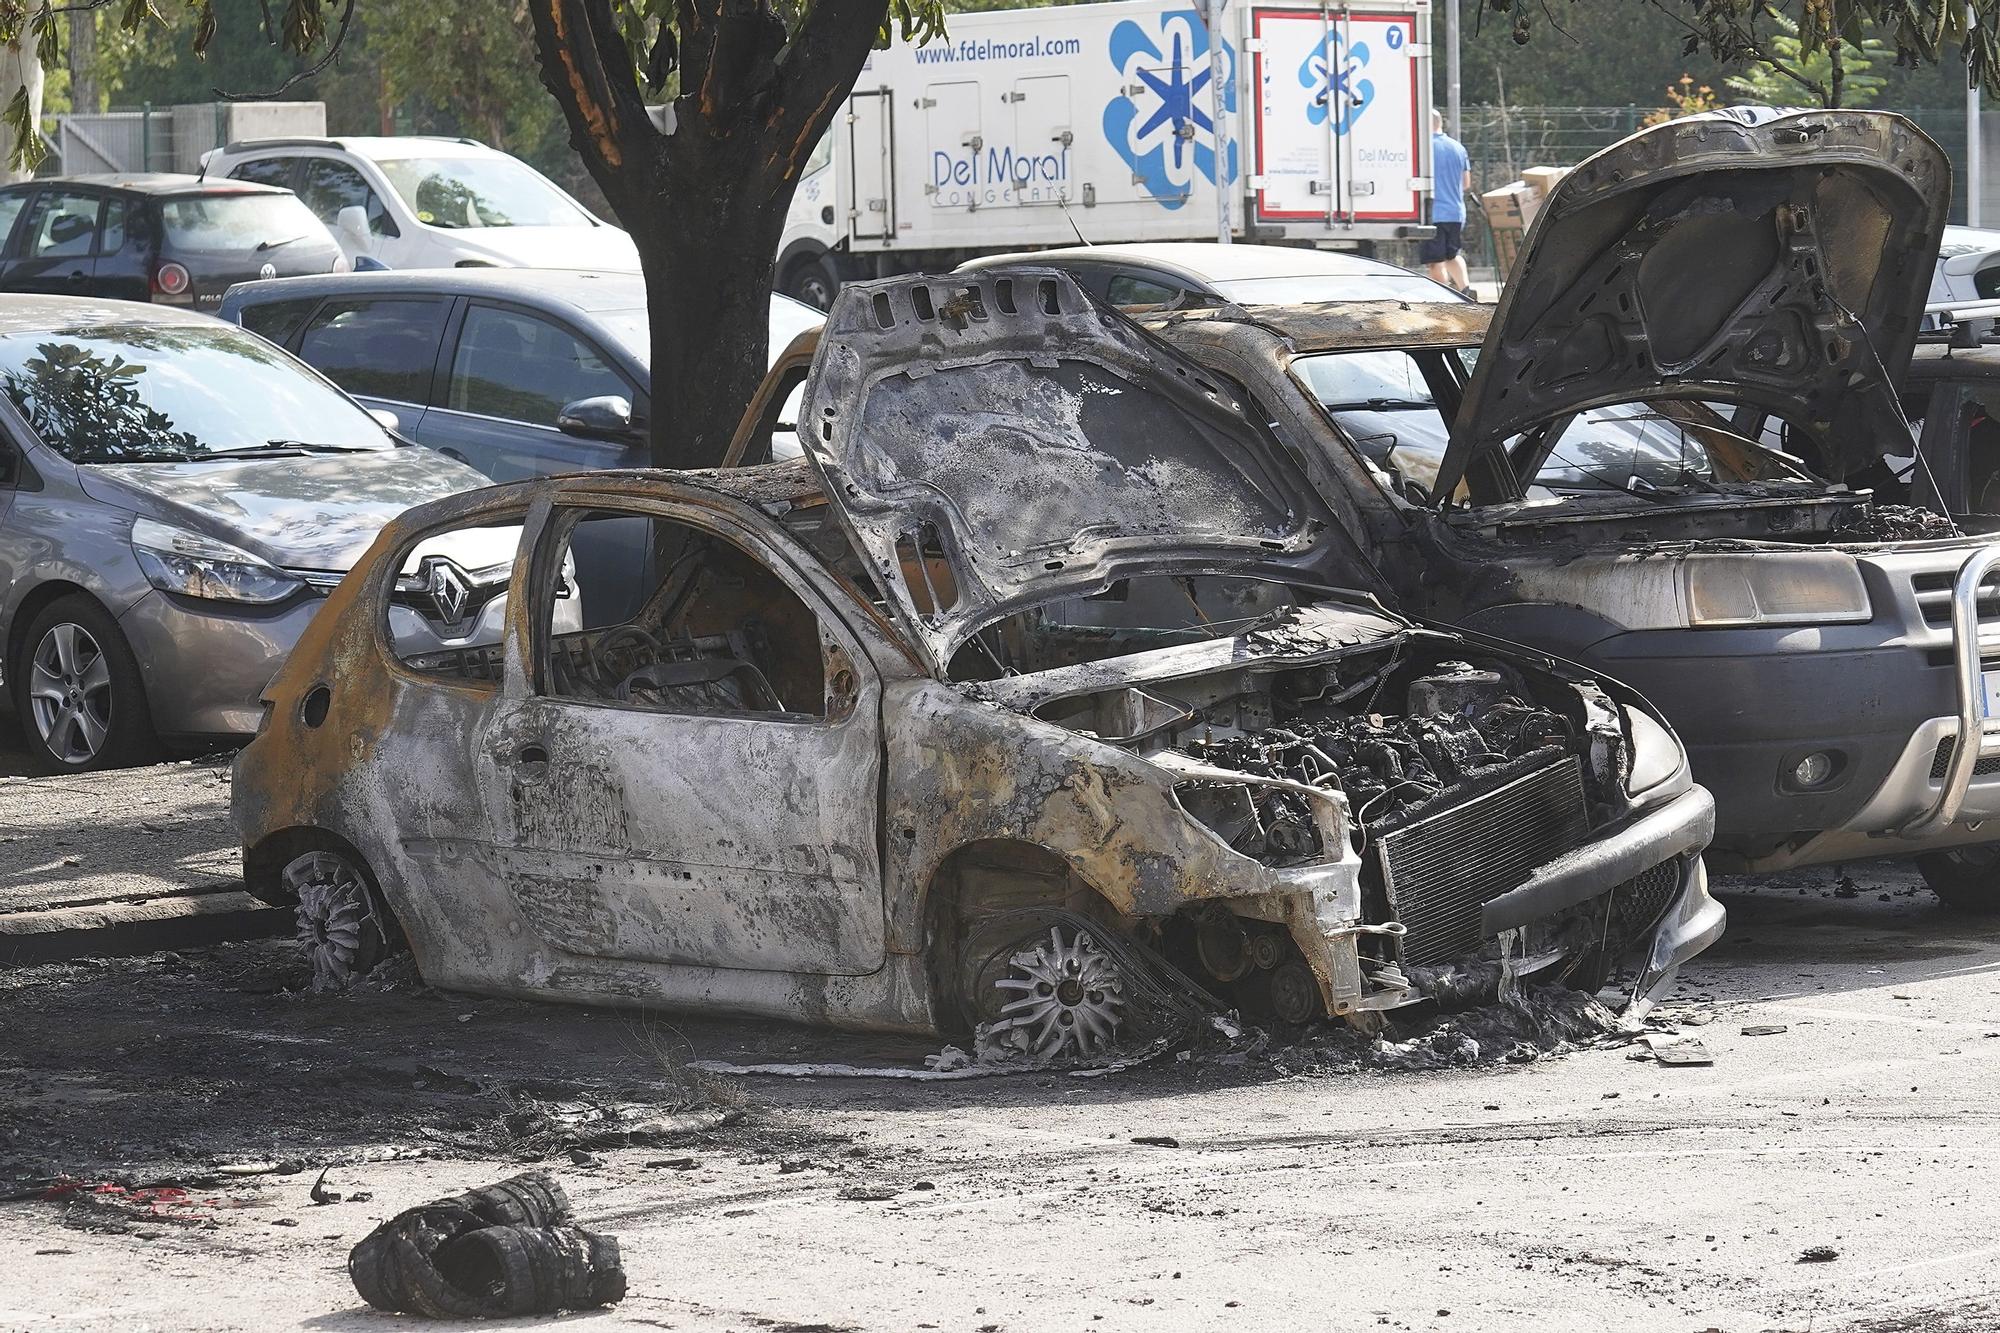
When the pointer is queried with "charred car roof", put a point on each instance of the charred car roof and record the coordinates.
(1046, 443)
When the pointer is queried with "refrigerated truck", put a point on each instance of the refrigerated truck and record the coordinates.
(1307, 123)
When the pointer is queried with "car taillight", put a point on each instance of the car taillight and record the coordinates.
(340, 265)
(171, 279)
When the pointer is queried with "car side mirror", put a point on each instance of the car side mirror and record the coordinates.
(352, 223)
(388, 420)
(607, 417)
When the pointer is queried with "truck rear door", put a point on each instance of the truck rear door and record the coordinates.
(870, 152)
(1337, 104)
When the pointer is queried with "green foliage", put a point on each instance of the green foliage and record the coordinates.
(472, 61)
(1787, 71)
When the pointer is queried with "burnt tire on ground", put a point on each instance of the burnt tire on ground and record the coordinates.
(1966, 879)
(78, 692)
(507, 1249)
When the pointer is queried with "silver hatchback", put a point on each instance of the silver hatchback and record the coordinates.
(176, 498)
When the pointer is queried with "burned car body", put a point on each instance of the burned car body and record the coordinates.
(1043, 649)
(1597, 472)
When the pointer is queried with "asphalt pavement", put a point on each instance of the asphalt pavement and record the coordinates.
(1834, 1168)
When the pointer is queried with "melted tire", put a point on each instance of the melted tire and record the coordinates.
(506, 1249)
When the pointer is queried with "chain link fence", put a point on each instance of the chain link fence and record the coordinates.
(1503, 141)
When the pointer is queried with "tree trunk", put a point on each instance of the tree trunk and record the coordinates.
(708, 251)
(21, 67)
(1838, 79)
(704, 195)
(83, 91)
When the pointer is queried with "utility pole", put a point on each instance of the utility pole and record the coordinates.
(1211, 17)
(1975, 148)
(1451, 70)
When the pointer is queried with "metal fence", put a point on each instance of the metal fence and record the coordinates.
(1502, 141)
(171, 138)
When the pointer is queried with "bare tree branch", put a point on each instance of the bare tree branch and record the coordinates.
(333, 45)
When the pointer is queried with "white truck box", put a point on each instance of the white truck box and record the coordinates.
(1034, 127)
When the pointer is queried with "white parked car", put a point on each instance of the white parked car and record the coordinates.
(425, 202)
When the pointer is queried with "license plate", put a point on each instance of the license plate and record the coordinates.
(1990, 703)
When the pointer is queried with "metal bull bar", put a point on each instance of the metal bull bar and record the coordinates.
(1978, 734)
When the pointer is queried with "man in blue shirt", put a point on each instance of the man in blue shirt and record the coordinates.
(1451, 180)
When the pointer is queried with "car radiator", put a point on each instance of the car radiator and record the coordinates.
(1439, 870)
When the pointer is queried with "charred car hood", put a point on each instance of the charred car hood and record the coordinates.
(1777, 260)
(1043, 444)
(313, 513)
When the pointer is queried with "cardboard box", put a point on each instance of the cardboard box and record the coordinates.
(1512, 205)
(1544, 178)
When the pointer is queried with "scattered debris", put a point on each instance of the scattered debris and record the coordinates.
(1765, 1029)
(1686, 1053)
(1157, 1140)
(1898, 523)
(535, 1128)
(507, 1249)
(1819, 1254)
(867, 1193)
(320, 1193)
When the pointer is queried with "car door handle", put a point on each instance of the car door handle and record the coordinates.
(78, 278)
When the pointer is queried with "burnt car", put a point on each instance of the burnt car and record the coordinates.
(1626, 463)
(1046, 652)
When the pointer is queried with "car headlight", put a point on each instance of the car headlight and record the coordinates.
(178, 561)
(1775, 588)
(1657, 757)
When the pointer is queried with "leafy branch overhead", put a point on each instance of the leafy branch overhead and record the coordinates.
(655, 40)
(1742, 32)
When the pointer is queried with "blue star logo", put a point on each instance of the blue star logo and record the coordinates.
(1339, 91)
(1177, 105)
(1175, 138)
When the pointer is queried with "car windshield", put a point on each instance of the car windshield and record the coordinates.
(496, 191)
(173, 392)
(237, 221)
(1383, 403)
(1309, 289)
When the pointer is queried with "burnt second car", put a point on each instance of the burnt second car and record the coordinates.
(1043, 658)
(174, 240)
(1588, 467)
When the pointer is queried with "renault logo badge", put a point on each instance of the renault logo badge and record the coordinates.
(448, 590)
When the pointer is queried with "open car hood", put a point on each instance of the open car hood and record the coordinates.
(1777, 260)
(1038, 446)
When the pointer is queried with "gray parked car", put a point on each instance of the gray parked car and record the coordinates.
(176, 499)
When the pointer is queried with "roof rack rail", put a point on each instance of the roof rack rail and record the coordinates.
(296, 141)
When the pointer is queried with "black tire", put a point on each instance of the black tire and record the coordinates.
(103, 720)
(1965, 879)
(811, 280)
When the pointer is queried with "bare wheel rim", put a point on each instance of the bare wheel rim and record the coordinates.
(335, 917)
(69, 693)
(1069, 997)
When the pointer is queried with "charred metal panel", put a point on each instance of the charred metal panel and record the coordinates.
(1044, 441)
(1727, 258)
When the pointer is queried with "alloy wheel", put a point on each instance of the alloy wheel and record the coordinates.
(337, 927)
(1069, 998)
(69, 693)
